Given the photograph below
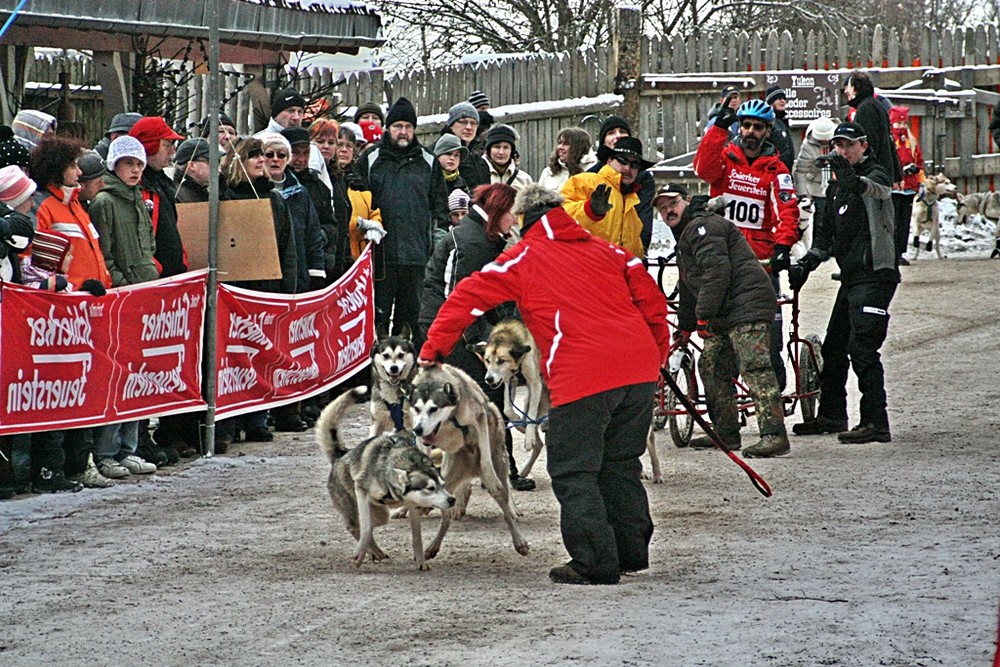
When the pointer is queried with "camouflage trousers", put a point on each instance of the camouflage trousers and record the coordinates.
(743, 350)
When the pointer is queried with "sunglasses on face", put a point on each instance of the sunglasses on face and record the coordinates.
(254, 153)
(752, 124)
(270, 155)
(627, 162)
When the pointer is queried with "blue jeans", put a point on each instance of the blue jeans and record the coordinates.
(116, 441)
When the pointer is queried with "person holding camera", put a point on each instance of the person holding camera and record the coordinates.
(857, 230)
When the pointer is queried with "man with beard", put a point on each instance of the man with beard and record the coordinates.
(407, 187)
(759, 191)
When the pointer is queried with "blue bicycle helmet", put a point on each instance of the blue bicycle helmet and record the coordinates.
(756, 109)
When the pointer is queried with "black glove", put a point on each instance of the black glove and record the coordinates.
(726, 117)
(95, 287)
(599, 200)
(781, 260)
(316, 283)
(911, 169)
(797, 276)
(5, 232)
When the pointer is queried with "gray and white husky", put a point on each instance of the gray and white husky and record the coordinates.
(380, 473)
(394, 363)
(451, 412)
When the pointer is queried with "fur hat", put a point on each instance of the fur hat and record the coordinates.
(91, 165)
(401, 110)
(125, 146)
(296, 135)
(775, 93)
(447, 143)
(15, 186)
(501, 134)
(11, 150)
(458, 200)
(48, 250)
(274, 139)
(534, 201)
(30, 126)
(359, 135)
(191, 149)
(478, 99)
(611, 123)
(150, 130)
(286, 99)
(369, 107)
(123, 122)
(460, 111)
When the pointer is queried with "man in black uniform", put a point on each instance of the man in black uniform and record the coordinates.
(857, 230)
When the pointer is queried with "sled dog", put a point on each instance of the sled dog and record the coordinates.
(394, 363)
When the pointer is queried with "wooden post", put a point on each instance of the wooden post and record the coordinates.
(628, 45)
(115, 82)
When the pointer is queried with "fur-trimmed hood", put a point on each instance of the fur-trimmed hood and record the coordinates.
(533, 201)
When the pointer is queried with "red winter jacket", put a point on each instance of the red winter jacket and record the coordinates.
(761, 196)
(596, 314)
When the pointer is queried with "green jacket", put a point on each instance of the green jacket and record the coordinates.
(126, 232)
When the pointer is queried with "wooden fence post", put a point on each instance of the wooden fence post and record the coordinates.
(629, 47)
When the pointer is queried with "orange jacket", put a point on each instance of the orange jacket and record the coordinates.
(61, 211)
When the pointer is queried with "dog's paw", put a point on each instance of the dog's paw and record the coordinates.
(522, 547)
(430, 552)
(423, 567)
(400, 513)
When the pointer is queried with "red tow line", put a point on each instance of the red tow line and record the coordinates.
(755, 478)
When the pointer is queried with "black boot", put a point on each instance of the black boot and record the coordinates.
(916, 242)
(996, 251)
(930, 245)
(49, 481)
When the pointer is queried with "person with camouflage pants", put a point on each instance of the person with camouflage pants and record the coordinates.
(727, 297)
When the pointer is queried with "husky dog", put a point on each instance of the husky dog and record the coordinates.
(511, 350)
(381, 472)
(451, 412)
(926, 216)
(394, 363)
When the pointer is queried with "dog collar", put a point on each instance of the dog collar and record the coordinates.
(460, 427)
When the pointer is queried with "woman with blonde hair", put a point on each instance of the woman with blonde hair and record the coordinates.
(572, 155)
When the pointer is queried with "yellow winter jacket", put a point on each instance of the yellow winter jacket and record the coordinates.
(621, 225)
(361, 205)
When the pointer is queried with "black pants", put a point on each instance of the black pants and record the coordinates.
(902, 205)
(397, 296)
(857, 328)
(62, 452)
(593, 447)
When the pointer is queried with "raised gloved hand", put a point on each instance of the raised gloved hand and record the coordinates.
(726, 117)
(703, 330)
(781, 260)
(374, 232)
(95, 287)
(600, 202)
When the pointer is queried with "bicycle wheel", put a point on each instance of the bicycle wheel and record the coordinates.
(681, 421)
(808, 375)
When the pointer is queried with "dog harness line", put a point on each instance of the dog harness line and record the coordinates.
(525, 420)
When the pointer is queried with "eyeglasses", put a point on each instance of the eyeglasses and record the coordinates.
(634, 164)
(270, 155)
(753, 124)
(254, 153)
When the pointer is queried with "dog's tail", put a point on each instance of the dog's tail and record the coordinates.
(326, 426)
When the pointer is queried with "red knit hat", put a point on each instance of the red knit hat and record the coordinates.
(15, 186)
(48, 250)
(150, 130)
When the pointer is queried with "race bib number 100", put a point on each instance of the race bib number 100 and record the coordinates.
(745, 212)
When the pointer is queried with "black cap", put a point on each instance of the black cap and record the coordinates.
(670, 190)
(632, 147)
(850, 131)
(285, 99)
(191, 150)
(296, 135)
(727, 91)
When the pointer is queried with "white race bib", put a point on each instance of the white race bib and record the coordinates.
(745, 212)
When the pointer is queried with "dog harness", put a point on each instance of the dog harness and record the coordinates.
(396, 411)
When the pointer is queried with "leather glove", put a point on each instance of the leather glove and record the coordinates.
(797, 276)
(600, 200)
(703, 330)
(726, 118)
(680, 338)
(781, 260)
(95, 287)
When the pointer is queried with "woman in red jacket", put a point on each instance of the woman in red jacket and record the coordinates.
(600, 323)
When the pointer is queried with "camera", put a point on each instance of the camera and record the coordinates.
(827, 160)
(911, 169)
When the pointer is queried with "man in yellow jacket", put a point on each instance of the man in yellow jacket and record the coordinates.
(604, 203)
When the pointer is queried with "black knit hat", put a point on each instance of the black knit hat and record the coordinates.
(478, 98)
(774, 93)
(611, 123)
(11, 151)
(501, 134)
(401, 109)
(368, 107)
(285, 99)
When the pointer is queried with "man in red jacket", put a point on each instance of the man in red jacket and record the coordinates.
(600, 323)
(759, 190)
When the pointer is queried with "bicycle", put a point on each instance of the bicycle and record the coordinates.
(803, 354)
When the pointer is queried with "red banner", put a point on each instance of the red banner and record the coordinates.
(74, 360)
(274, 349)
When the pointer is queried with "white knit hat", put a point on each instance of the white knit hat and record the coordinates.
(125, 146)
(355, 129)
(458, 200)
(15, 186)
(274, 138)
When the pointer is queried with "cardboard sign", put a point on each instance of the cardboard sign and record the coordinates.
(248, 249)
(811, 95)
